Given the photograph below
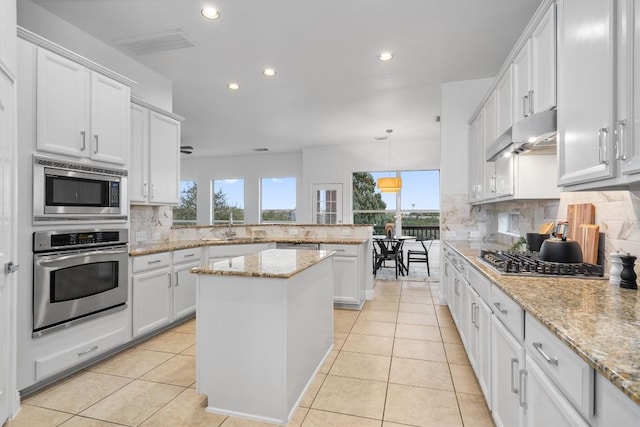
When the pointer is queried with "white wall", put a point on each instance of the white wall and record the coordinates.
(251, 168)
(151, 86)
(336, 164)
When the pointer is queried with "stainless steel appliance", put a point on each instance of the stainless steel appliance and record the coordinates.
(78, 275)
(530, 264)
(71, 191)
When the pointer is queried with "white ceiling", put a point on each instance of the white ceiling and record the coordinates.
(330, 87)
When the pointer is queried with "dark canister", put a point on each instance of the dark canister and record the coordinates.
(628, 275)
(534, 241)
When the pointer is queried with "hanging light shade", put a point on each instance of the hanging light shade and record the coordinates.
(389, 184)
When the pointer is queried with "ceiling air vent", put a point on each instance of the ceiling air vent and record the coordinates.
(155, 43)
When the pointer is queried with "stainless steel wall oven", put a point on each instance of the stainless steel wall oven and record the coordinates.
(70, 191)
(78, 275)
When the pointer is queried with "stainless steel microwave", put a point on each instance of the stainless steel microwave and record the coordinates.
(76, 192)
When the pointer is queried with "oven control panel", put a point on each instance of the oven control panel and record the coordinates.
(51, 240)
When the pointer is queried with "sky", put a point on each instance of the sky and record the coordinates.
(420, 191)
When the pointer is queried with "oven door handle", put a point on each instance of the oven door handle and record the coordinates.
(53, 259)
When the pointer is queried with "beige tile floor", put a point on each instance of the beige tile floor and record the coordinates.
(397, 362)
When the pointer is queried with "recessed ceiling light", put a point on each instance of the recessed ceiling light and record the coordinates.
(269, 72)
(233, 86)
(385, 56)
(210, 13)
(260, 149)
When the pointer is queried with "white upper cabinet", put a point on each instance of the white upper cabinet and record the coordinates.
(522, 82)
(504, 102)
(155, 155)
(476, 159)
(543, 71)
(80, 113)
(489, 135)
(628, 118)
(586, 120)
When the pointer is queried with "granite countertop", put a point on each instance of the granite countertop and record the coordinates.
(599, 321)
(270, 263)
(174, 245)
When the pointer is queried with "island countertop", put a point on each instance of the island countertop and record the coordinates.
(599, 321)
(270, 263)
(174, 245)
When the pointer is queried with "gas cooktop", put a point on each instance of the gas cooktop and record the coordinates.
(530, 264)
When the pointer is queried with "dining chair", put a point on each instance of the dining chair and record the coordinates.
(420, 255)
(384, 253)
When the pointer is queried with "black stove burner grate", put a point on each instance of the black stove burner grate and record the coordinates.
(529, 263)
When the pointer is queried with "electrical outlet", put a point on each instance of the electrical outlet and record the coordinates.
(293, 231)
(141, 236)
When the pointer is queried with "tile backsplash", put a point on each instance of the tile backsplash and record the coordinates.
(617, 214)
(150, 223)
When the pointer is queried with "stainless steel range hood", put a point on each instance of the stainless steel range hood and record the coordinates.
(535, 134)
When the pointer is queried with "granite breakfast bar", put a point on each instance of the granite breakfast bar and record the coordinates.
(264, 327)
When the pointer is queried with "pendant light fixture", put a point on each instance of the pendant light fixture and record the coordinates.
(389, 184)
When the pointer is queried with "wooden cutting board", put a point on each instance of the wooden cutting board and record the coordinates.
(588, 237)
(582, 213)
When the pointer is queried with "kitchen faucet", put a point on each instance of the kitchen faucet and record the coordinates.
(230, 232)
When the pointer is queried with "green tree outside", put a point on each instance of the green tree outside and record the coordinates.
(365, 198)
(186, 211)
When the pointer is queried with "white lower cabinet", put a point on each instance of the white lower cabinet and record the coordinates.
(541, 401)
(507, 357)
(151, 300)
(184, 290)
(163, 288)
(348, 274)
(613, 408)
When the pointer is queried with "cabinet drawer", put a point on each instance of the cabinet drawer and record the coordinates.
(58, 362)
(187, 255)
(480, 284)
(510, 314)
(572, 375)
(341, 250)
(151, 262)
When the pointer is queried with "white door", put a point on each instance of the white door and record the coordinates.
(327, 203)
(522, 83)
(489, 130)
(109, 120)
(585, 99)
(164, 159)
(184, 290)
(139, 154)
(7, 239)
(543, 45)
(507, 362)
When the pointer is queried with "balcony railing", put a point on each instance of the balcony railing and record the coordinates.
(417, 231)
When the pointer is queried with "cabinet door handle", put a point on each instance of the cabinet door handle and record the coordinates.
(531, 102)
(522, 399)
(155, 261)
(473, 310)
(84, 140)
(525, 102)
(176, 278)
(621, 145)
(550, 360)
(169, 276)
(603, 136)
(455, 286)
(514, 361)
(477, 310)
(144, 191)
(153, 191)
(192, 255)
(87, 351)
(499, 307)
(95, 151)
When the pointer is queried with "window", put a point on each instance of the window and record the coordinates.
(417, 204)
(278, 200)
(228, 201)
(185, 212)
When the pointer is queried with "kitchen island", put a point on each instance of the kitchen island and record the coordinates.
(264, 327)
